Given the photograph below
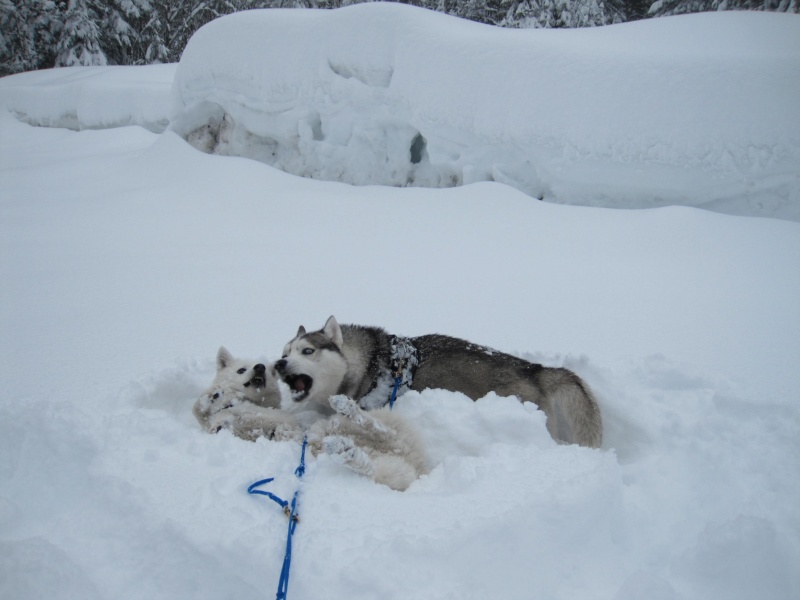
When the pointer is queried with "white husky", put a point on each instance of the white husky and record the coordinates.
(379, 444)
(237, 381)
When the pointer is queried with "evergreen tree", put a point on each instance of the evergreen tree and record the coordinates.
(150, 47)
(17, 48)
(562, 13)
(633, 10)
(663, 8)
(29, 30)
(121, 23)
(79, 44)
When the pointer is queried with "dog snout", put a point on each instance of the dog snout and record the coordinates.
(280, 366)
(259, 376)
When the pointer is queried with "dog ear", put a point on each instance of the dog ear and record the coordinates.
(333, 331)
(224, 358)
(300, 331)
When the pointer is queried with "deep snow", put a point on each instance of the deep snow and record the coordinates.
(128, 257)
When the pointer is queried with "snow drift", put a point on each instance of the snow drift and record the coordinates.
(697, 110)
(91, 97)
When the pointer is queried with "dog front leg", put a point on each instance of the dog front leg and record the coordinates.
(250, 422)
(348, 408)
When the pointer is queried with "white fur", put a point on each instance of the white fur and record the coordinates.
(379, 444)
(250, 422)
(230, 388)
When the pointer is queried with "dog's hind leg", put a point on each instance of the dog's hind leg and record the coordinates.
(344, 451)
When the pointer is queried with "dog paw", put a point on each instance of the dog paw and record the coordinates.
(281, 432)
(338, 445)
(344, 405)
(223, 419)
(344, 451)
(212, 403)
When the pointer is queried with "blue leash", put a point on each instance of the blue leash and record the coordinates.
(397, 381)
(290, 509)
(291, 512)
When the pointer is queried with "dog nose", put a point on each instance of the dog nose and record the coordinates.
(280, 365)
(260, 369)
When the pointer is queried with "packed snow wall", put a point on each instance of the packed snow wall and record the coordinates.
(697, 110)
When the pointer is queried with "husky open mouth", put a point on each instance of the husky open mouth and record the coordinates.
(300, 385)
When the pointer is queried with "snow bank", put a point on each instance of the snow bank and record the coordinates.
(694, 110)
(91, 97)
(697, 110)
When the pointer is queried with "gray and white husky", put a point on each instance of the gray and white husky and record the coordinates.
(365, 363)
(245, 397)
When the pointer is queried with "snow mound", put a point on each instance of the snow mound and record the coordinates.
(91, 97)
(696, 110)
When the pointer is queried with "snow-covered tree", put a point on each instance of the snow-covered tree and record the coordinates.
(150, 47)
(79, 44)
(561, 13)
(121, 23)
(663, 8)
(29, 31)
(632, 10)
(17, 47)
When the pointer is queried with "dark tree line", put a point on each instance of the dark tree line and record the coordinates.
(662, 8)
(36, 34)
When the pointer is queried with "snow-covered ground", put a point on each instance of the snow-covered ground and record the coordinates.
(128, 258)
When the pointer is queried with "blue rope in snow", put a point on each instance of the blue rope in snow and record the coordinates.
(291, 511)
(397, 381)
(252, 490)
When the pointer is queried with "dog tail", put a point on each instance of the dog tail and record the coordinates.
(575, 414)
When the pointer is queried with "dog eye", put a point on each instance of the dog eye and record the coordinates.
(308, 351)
(241, 371)
(216, 396)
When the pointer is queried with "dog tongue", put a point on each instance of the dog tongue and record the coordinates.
(299, 385)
